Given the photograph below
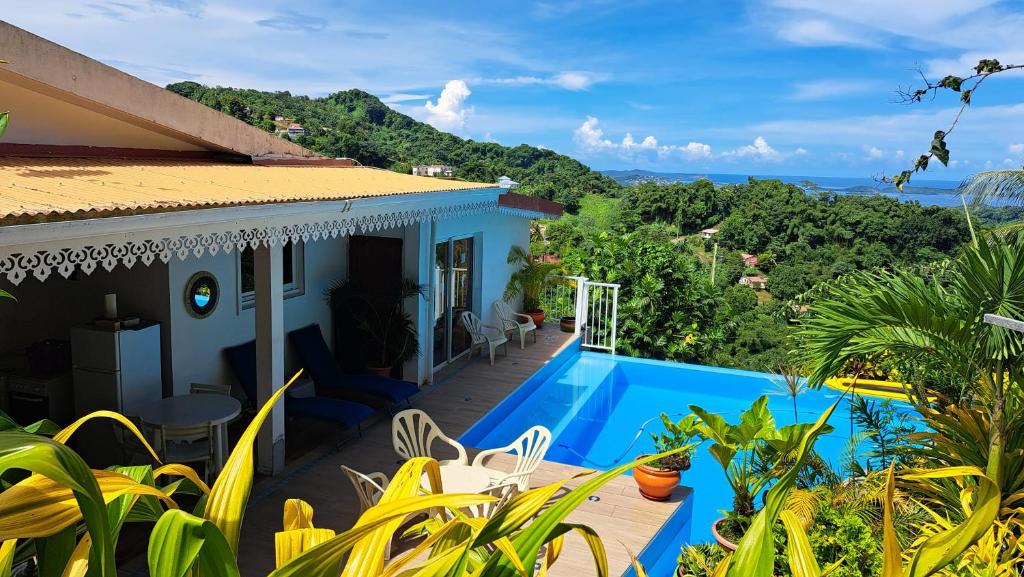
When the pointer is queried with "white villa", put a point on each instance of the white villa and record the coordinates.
(441, 170)
(214, 232)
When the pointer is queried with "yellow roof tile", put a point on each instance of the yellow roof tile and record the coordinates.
(55, 189)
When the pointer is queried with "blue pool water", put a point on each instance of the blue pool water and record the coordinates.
(596, 404)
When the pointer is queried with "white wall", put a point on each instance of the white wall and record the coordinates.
(198, 344)
(494, 234)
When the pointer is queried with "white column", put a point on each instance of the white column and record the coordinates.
(268, 274)
(428, 262)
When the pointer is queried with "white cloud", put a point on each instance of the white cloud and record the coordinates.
(825, 89)
(874, 152)
(977, 28)
(899, 154)
(819, 32)
(648, 143)
(574, 80)
(402, 97)
(758, 150)
(449, 113)
(801, 151)
(1017, 149)
(590, 136)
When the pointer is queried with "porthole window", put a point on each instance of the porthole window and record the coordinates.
(201, 295)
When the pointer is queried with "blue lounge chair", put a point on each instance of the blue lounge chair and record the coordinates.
(320, 365)
(348, 414)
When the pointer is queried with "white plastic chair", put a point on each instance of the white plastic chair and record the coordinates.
(189, 444)
(529, 450)
(413, 432)
(513, 321)
(482, 335)
(369, 487)
(502, 492)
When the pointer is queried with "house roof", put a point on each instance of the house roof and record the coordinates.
(59, 189)
(59, 97)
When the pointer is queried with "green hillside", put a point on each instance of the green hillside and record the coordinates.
(355, 124)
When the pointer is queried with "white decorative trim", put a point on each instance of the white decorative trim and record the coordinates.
(88, 253)
(521, 212)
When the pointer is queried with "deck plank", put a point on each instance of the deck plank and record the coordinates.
(461, 395)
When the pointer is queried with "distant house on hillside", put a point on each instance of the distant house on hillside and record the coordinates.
(708, 233)
(432, 170)
(748, 259)
(506, 182)
(295, 130)
(756, 282)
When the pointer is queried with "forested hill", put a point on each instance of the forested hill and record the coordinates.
(355, 124)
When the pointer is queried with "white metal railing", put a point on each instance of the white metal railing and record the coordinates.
(595, 306)
(600, 304)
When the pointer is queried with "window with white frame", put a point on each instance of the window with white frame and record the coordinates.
(291, 267)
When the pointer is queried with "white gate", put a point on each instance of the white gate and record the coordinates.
(594, 304)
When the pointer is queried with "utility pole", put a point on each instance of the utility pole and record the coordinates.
(714, 262)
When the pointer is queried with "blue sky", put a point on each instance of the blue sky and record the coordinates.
(797, 87)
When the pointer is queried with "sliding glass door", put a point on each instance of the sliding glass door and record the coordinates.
(453, 295)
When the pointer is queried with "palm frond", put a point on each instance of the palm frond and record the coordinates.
(984, 187)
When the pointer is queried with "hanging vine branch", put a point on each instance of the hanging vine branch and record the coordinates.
(966, 86)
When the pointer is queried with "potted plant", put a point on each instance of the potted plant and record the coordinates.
(660, 477)
(385, 329)
(529, 282)
(752, 453)
(567, 324)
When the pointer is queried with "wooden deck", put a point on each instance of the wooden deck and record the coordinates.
(460, 396)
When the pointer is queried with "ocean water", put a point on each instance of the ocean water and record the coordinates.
(927, 192)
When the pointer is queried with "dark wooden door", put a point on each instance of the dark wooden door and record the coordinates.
(373, 261)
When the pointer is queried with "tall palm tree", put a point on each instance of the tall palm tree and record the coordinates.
(913, 317)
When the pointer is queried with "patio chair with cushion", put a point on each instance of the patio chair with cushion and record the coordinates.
(320, 365)
(511, 321)
(483, 335)
(413, 433)
(529, 450)
(348, 414)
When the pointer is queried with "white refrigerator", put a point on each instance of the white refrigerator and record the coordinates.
(114, 371)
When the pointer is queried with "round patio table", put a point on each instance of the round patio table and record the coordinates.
(458, 478)
(192, 410)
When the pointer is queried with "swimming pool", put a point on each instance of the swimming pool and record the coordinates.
(596, 405)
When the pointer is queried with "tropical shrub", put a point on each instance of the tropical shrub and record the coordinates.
(940, 317)
(845, 538)
(530, 280)
(73, 516)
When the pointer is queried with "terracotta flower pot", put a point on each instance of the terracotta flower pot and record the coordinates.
(537, 316)
(379, 371)
(722, 541)
(567, 324)
(656, 484)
